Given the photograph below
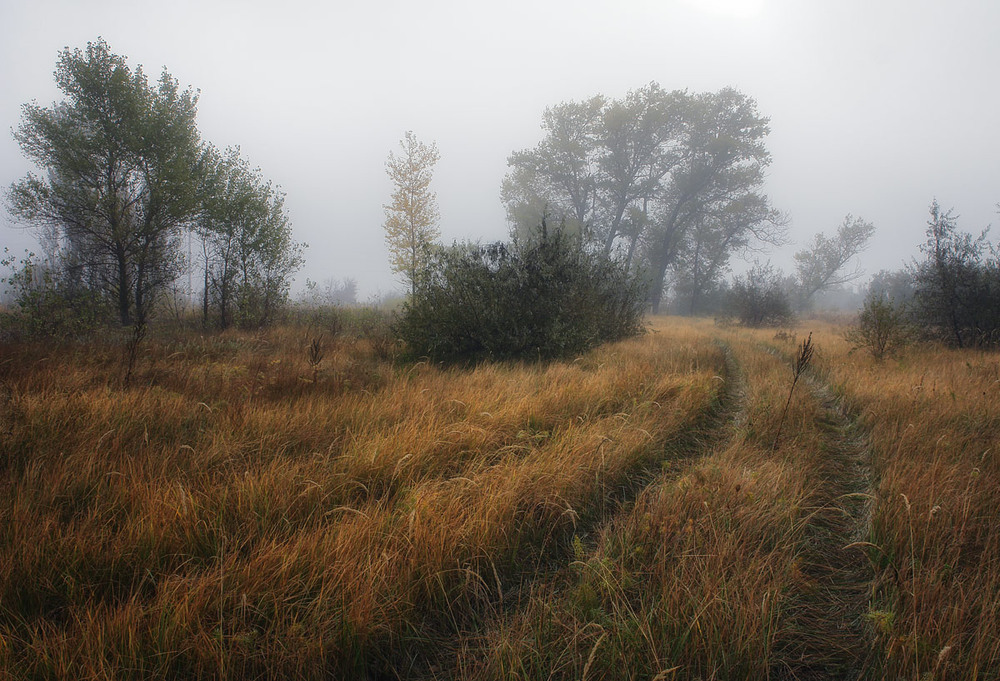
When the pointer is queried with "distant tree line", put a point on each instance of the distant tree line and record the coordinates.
(125, 177)
(950, 294)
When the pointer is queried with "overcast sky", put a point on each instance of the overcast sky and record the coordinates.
(876, 106)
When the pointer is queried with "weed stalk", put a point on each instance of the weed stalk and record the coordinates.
(802, 359)
(132, 350)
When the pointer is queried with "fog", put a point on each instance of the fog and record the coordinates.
(875, 108)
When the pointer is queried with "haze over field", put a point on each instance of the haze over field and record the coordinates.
(876, 108)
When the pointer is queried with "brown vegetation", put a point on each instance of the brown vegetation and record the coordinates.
(255, 506)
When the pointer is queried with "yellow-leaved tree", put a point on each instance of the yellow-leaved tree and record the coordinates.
(411, 219)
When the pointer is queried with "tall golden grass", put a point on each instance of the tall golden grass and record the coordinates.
(933, 419)
(702, 576)
(239, 511)
(235, 513)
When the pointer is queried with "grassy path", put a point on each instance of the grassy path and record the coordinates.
(931, 418)
(717, 422)
(714, 427)
(826, 621)
(542, 633)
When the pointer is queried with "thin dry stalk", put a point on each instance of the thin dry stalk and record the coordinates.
(802, 359)
(314, 355)
(132, 351)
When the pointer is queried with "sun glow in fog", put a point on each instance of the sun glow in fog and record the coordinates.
(737, 9)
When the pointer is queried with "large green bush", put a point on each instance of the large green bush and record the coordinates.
(545, 298)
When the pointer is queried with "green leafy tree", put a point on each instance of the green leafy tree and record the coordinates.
(721, 168)
(638, 175)
(558, 178)
(600, 162)
(411, 217)
(120, 159)
(249, 251)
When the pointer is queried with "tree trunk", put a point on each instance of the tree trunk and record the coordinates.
(656, 293)
(631, 252)
(204, 302)
(224, 311)
(124, 296)
(695, 284)
(140, 300)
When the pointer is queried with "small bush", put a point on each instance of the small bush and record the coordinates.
(758, 298)
(546, 298)
(882, 327)
(47, 303)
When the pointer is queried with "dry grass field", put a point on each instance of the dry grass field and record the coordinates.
(238, 512)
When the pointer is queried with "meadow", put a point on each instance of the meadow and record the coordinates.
(299, 503)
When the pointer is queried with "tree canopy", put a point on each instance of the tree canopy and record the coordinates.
(125, 173)
(121, 158)
(411, 217)
(249, 251)
(656, 176)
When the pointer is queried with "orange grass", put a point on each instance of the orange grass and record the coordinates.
(228, 516)
(694, 580)
(934, 421)
(238, 513)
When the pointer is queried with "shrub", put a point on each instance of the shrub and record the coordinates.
(897, 285)
(758, 298)
(882, 327)
(545, 298)
(47, 302)
(957, 285)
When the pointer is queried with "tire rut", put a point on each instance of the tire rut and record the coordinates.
(826, 633)
(711, 430)
(715, 426)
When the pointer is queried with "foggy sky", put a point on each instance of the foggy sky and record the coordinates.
(877, 107)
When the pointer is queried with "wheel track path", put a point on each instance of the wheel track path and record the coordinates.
(712, 430)
(827, 637)
(715, 427)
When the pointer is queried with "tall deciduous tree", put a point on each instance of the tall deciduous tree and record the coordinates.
(120, 158)
(411, 218)
(721, 169)
(641, 173)
(249, 252)
(557, 178)
(821, 266)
